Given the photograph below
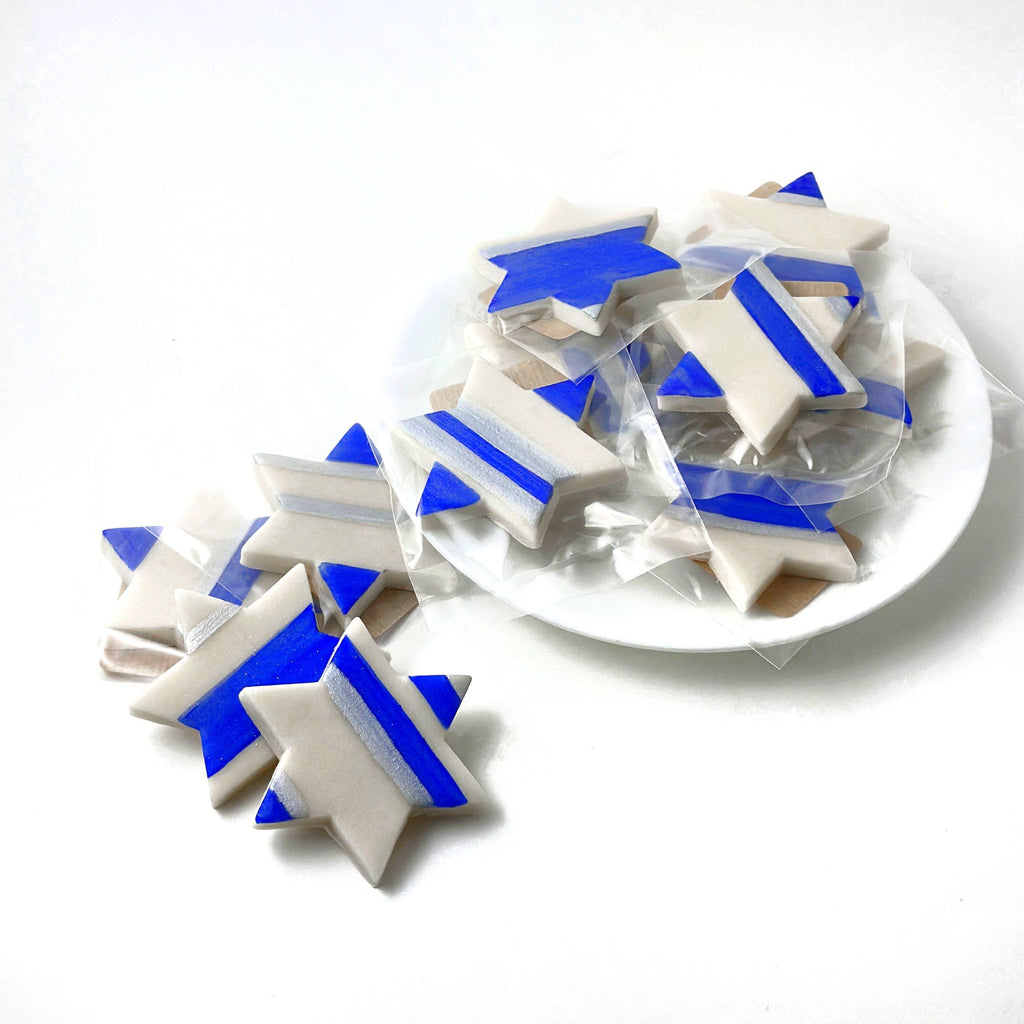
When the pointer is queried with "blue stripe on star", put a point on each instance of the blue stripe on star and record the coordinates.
(523, 478)
(389, 714)
(297, 654)
(886, 400)
(710, 481)
(235, 582)
(439, 693)
(753, 509)
(789, 341)
(580, 272)
(760, 497)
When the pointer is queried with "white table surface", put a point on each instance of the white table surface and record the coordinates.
(216, 220)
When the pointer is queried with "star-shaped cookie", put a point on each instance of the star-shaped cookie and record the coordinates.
(797, 214)
(274, 640)
(506, 452)
(761, 355)
(361, 751)
(575, 269)
(200, 552)
(334, 517)
(761, 527)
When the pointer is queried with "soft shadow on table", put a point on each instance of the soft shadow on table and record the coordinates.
(966, 590)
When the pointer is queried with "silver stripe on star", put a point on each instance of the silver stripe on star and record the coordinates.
(336, 510)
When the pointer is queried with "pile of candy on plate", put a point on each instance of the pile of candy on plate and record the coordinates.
(612, 407)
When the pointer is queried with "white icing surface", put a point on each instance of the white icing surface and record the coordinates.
(561, 221)
(761, 391)
(809, 226)
(168, 697)
(582, 463)
(745, 563)
(328, 762)
(190, 555)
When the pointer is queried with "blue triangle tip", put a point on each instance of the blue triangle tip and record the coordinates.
(131, 544)
(569, 397)
(347, 583)
(356, 447)
(805, 185)
(690, 379)
(272, 810)
(444, 492)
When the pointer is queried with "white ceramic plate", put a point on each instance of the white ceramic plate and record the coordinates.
(904, 541)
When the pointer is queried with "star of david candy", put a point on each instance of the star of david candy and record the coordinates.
(761, 355)
(508, 453)
(334, 517)
(361, 751)
(576, 270)
(274, 640)
(201, 552)
(761, 526)
(797, 214)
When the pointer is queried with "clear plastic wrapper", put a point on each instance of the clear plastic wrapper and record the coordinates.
(931, 417)
(592, 540)
(849, 446)
(202, 552)
(198, 551)
(920, 471)
(570, 350)
(901, 474)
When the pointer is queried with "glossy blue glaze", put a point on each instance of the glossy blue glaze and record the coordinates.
(690, 379)
(132, 543)
(399, 728)
(356, 447)
(754, 509)
(347, 583)
(526, 480)
(444, 491)
(711, 481)
(297, 654)
(442, 697)
(787, 338)
(760, 497)
(805, 185)
(580, 272)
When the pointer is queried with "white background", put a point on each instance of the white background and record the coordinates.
(217, 220)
